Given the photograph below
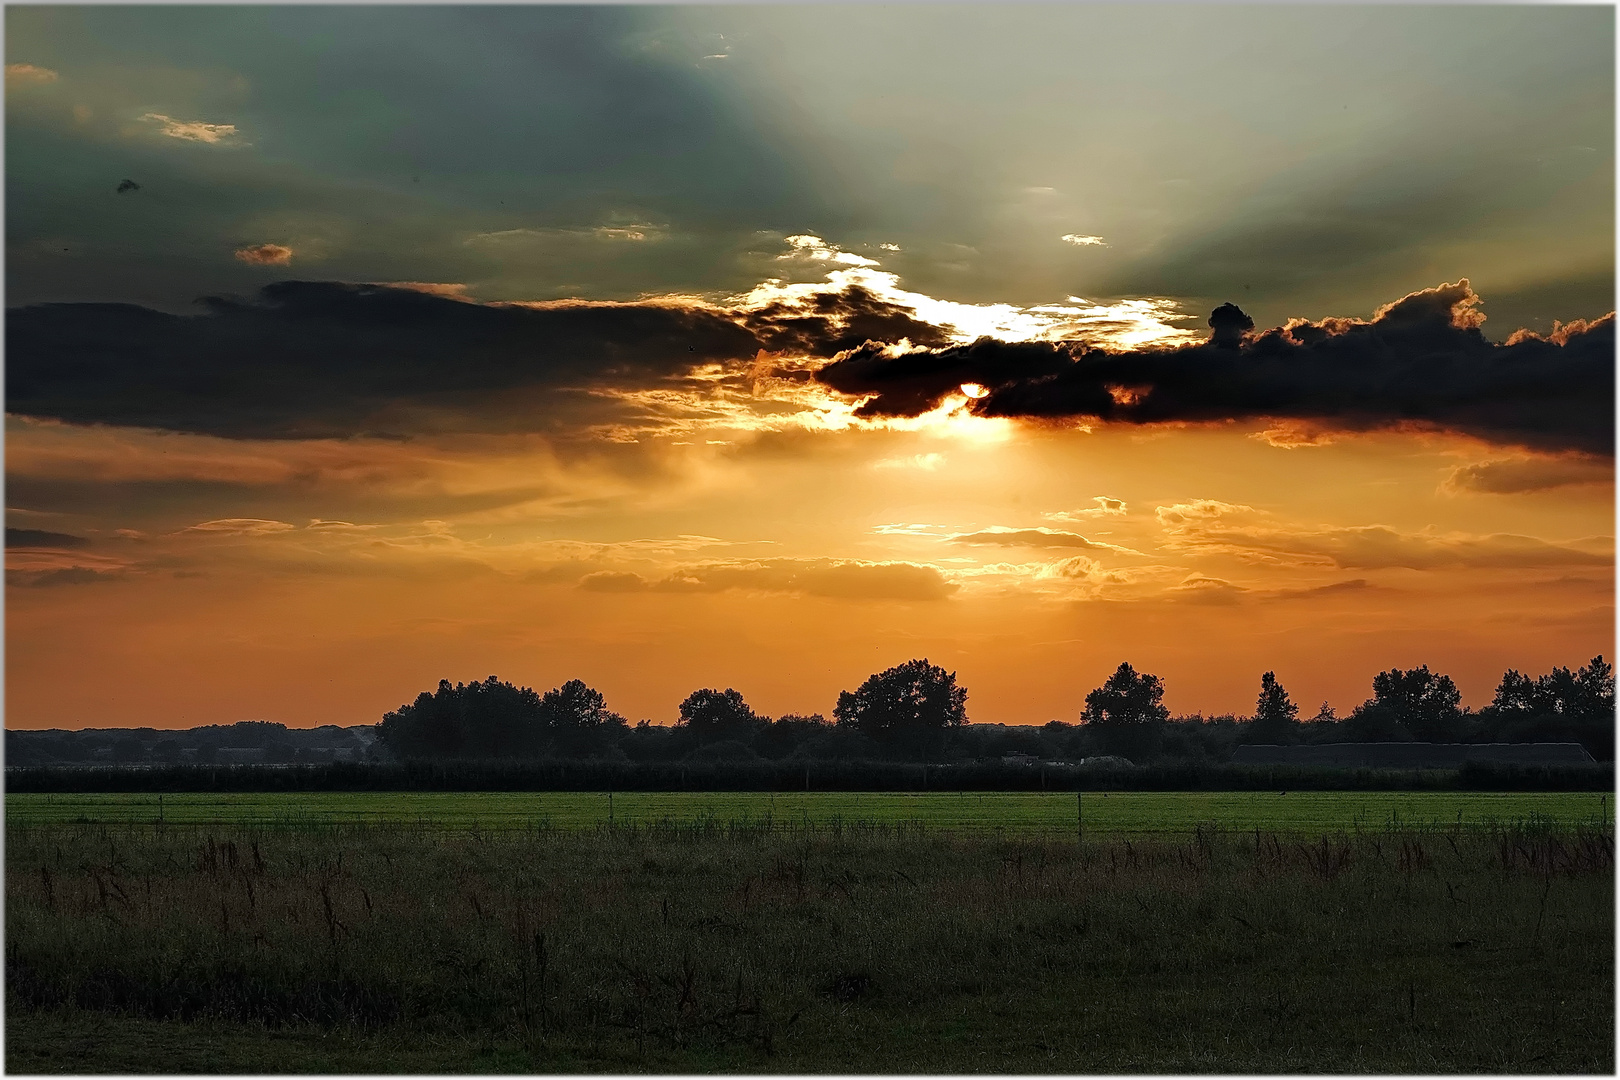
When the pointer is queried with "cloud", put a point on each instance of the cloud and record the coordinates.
(1420, 362)
(454, 290)
(815, 249)
(41, 538)
(1039, 537)
(67, 575)
(827, 323)
(337, 360)
(1293, 436)
(1219, 592)
(834, 578)
(1337, 588)
(240, 527)
(333, 359)
(1105, 507)
(1515, 476)
(638, 232)
(1125, 323)
(1182, 515)
(1198, 589)
(901, 528)
(192, 130)
(29, 75)
(28, 566)
(266, 255)
(613, 581)
(325, 359)
(1210, 527)
(1080, 240)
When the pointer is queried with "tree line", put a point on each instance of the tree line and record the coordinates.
(918, 712)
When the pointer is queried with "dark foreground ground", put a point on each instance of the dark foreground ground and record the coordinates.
(397, 948)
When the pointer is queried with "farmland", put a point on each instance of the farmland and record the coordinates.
(386, 947)
(853, 932)
(1010, 813)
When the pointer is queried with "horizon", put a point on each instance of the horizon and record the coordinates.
(768, 348)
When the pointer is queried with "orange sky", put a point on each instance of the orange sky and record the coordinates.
(769, 346)
(789, 554)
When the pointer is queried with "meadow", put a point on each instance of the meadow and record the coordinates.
(718, 942)
(1118, 812)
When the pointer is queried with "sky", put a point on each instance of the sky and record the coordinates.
(349, 349)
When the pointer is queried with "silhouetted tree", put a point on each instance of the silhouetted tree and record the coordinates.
(1412, 704)
(717, 714)
(1127, 711)
(1276, 717)
(787, 733)
(913, 704)
(1588, 692)
(479, 719)
(1558, 706)
(573, 706)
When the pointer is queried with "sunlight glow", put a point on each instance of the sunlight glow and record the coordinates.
(1125, 324)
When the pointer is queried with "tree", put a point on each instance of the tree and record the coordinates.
(1276, 717)
(786, 733)
(1416, 703)
(1596, 682)
(573, 706)
(471, 720)
(1127, 711)
(1585, 694)
(1127, 699)
(716, 714)
(914, 703)
(1558, 706)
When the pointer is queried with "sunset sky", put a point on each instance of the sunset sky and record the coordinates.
(349, 349)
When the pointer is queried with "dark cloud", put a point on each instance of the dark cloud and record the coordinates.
(41, 538)
(1420, 361)
(1227, 325)
(829, 323)
(914, 382)
(327, 359)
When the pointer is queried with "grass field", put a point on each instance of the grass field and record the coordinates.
(381, 947)
(1017, 812)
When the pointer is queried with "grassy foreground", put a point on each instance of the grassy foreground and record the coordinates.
(390, 948)
(1007, 812)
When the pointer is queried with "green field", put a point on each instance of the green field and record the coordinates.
(1013, 812)
(391, 948)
